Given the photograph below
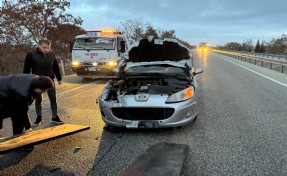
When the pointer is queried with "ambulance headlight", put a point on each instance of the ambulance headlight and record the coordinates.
(112, 63)
(75, 63)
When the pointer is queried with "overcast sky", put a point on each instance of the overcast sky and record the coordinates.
(212, 21)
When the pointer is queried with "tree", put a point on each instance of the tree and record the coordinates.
(63, 37)
(134, 28)
(138, 28)
(30, 20)
(247, 45)
(151, 31)
(23, 23)
(277, 46)
(262, 48)
(167, 34)
(232, 46)
(257, 47)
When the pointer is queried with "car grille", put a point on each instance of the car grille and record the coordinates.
(143, 113)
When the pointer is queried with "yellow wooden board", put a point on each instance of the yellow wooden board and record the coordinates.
(39, 136)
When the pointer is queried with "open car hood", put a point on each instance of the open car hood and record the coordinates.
(158, 51)
(181, 63)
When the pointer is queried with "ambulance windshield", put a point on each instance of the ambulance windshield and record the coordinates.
(95, 43)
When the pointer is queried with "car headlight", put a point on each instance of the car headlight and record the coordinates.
(181, 95)
(95, 63)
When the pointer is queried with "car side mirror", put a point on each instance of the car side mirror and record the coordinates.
(197, 71)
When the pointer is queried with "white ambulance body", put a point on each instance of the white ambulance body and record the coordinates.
(96, 53)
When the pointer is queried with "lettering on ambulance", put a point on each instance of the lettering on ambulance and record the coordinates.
(91, 54)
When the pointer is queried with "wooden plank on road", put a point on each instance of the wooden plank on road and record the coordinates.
(161, 159)
(39, 136)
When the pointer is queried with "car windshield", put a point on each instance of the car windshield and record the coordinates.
(102, 43)
(155, 69)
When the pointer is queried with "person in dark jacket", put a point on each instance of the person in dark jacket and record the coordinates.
(43, 62)
(17, 92)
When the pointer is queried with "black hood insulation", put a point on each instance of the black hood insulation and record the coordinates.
(148, 51)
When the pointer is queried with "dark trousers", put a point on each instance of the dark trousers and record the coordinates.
(53, 103)
(18, 121)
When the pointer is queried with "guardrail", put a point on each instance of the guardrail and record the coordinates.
(248, 57)
(281, 57)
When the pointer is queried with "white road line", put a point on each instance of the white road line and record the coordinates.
(278, 82)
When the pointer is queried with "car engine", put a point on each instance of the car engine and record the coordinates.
(149, 85)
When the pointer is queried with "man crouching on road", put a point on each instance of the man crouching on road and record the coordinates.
(17, 92)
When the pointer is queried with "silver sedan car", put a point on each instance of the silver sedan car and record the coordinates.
(152, 91)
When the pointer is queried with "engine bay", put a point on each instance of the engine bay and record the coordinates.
(145, 84)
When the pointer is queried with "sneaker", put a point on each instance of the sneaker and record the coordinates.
(38, 121)
(57, 120)
(28, 131)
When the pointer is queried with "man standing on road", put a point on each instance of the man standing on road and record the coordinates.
(43, 62)
(17, 92)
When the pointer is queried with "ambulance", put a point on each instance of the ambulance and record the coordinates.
(96, 53)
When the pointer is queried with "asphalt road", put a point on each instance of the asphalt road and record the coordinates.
(240, 129)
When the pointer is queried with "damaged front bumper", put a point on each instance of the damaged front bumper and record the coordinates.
(133, 114)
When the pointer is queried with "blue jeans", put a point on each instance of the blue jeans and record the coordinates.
(53, 103)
